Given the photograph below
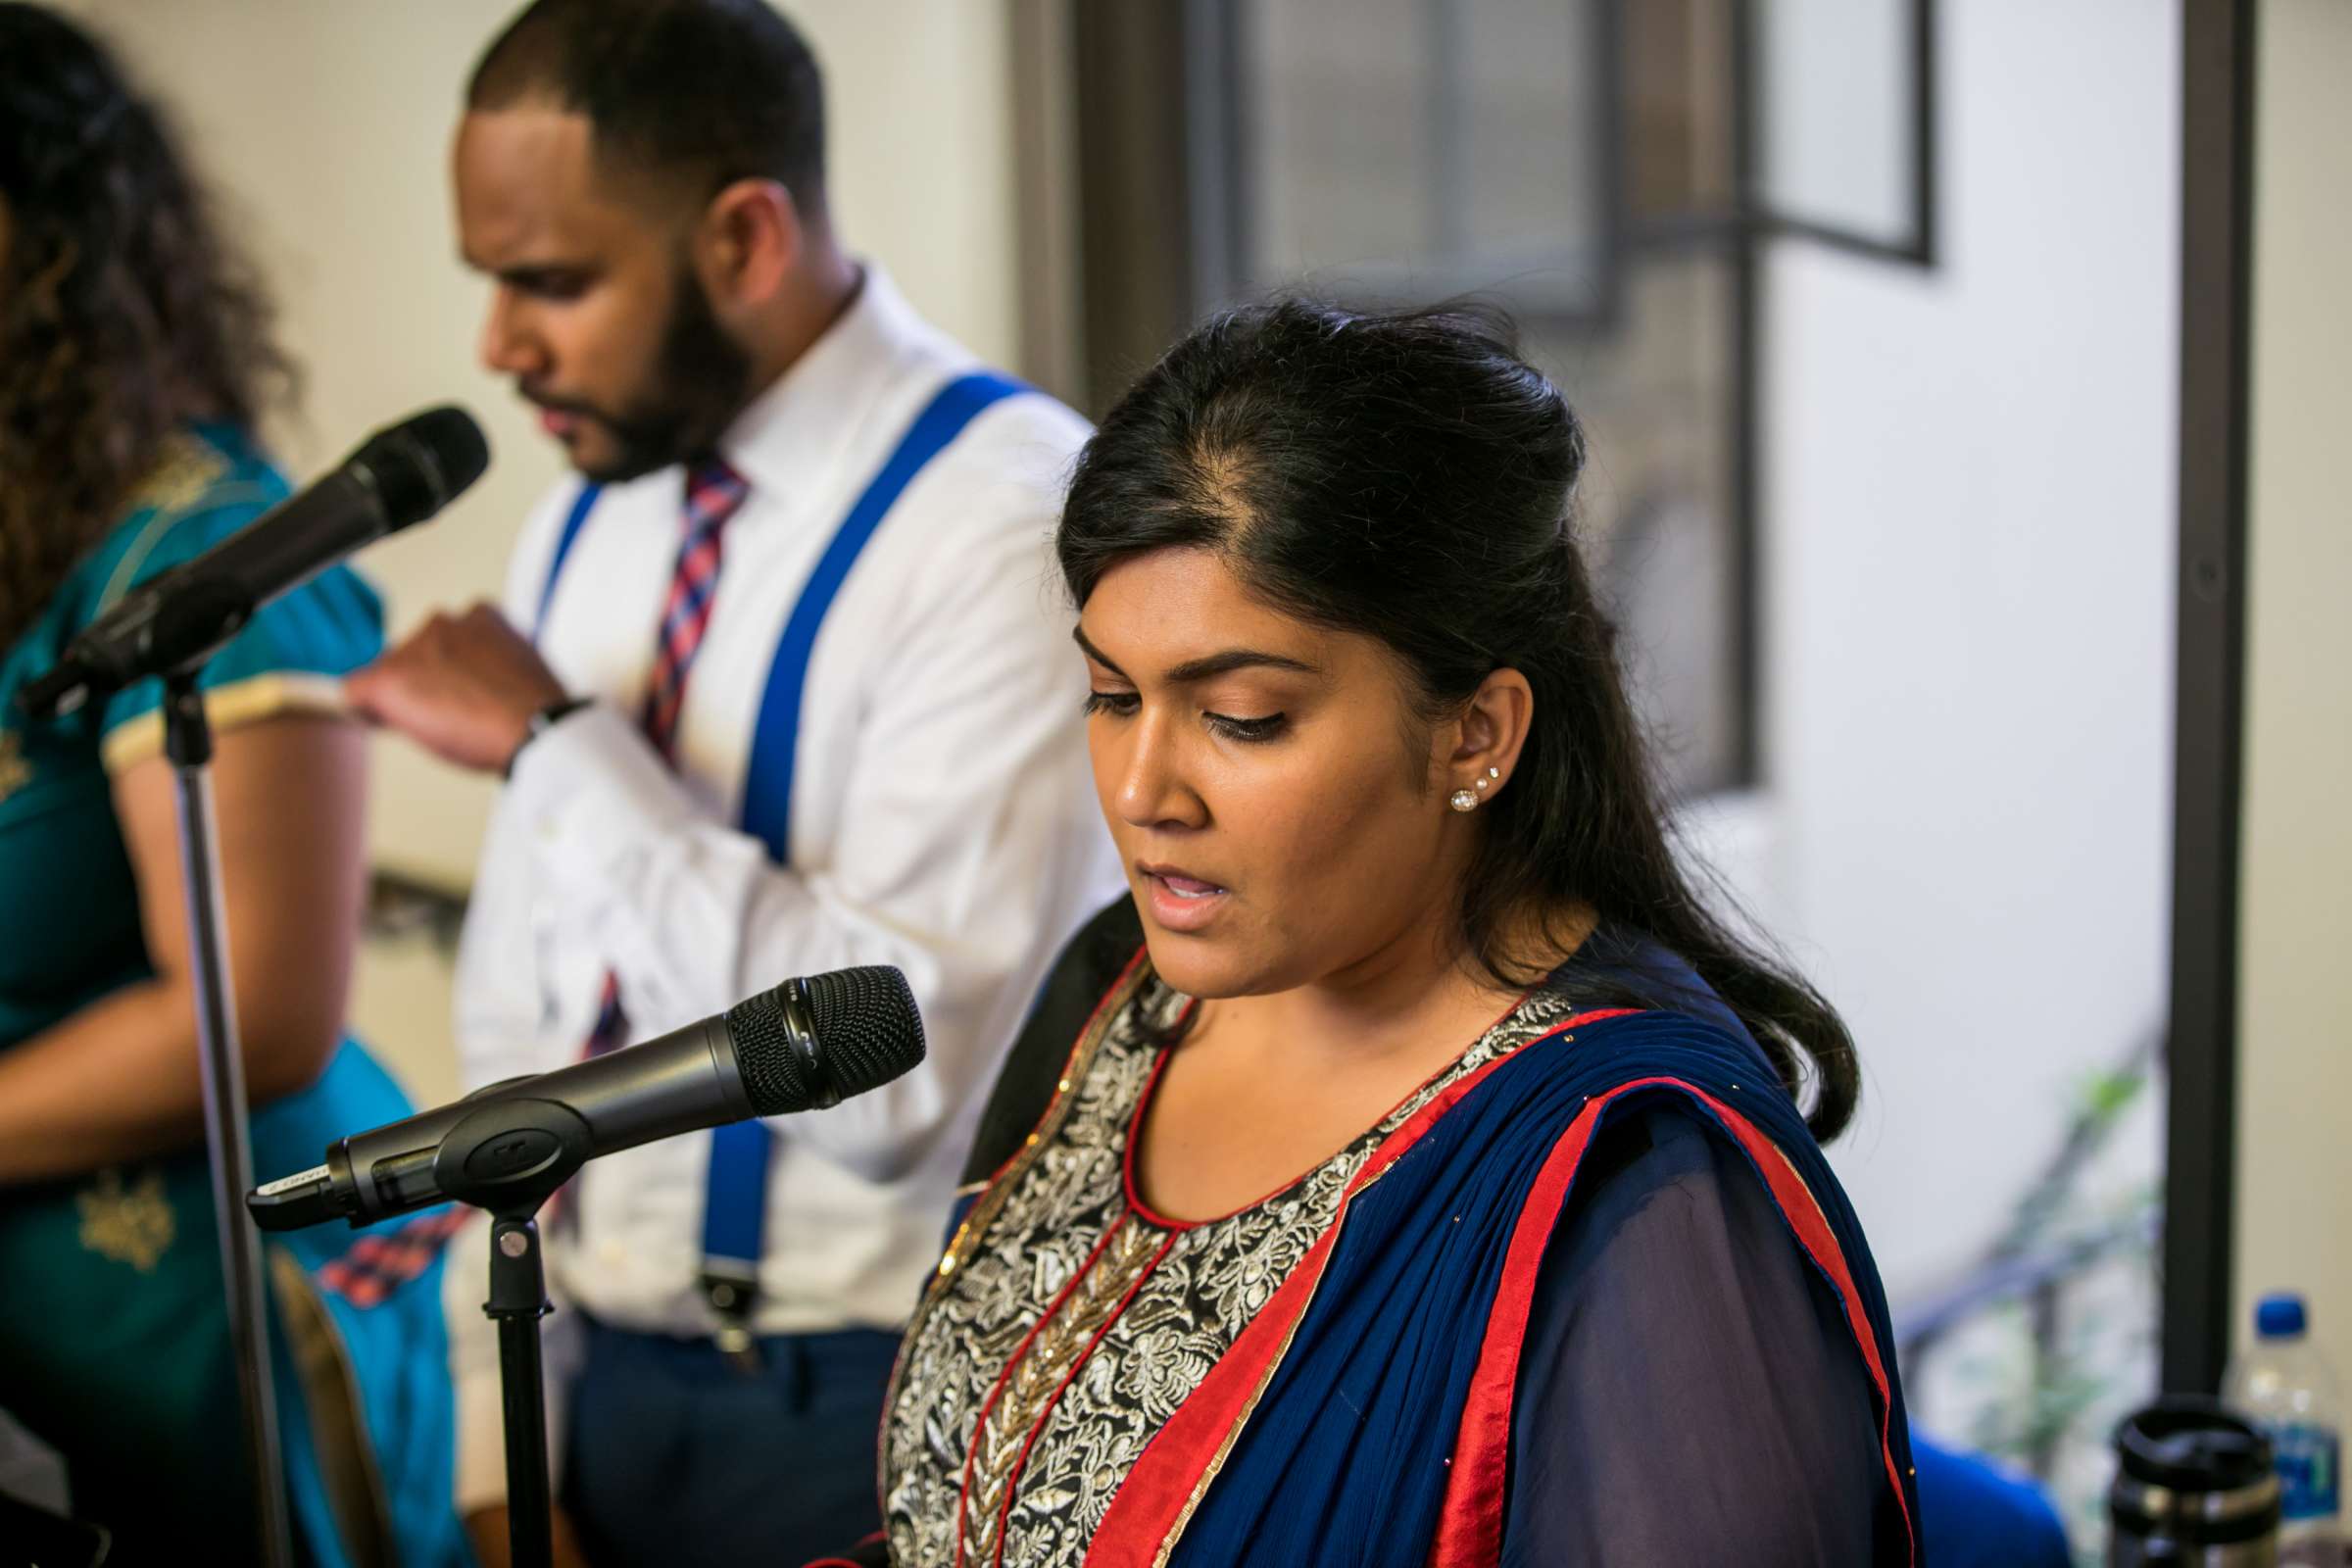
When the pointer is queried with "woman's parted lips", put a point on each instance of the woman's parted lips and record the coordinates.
(1180, 879)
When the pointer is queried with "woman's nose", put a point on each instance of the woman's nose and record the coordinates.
(1153, 791)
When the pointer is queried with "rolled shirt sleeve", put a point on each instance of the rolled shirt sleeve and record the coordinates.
(969, 821)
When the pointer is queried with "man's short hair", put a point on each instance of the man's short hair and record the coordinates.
(692, 92)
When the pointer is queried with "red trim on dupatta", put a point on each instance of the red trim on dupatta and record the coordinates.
(1470, 1523)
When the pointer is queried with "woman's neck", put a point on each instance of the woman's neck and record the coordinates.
(1422, 988)
(1264, 1088)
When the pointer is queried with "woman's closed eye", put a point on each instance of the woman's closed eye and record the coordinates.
(1231, 727)
(1244, 730)
(1121, 704)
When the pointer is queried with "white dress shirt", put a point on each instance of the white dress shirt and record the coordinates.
(942, 820)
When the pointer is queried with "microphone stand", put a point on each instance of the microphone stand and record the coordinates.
(517, 1301)
(188, 743)
(509, 1158)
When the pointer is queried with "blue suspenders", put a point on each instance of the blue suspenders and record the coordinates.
(582, 504)
(735, 1203)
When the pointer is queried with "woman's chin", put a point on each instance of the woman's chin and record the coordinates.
(1205, 968)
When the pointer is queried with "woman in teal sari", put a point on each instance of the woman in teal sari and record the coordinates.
(132, 359)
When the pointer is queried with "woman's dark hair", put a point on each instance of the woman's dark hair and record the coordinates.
(1407, 476)
(122, 313)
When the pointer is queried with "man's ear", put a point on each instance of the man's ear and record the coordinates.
(747, 245)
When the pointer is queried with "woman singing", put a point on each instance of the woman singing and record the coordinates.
(1427, 1182)
(132, 364)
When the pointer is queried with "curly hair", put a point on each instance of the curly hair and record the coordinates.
(123, 313)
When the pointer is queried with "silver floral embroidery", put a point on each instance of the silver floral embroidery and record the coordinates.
(1185, 1314)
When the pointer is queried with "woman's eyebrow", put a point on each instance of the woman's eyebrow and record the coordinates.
(1235, 659)
(1206, 666)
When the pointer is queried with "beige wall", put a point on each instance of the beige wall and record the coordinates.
(324, 123)
(2295, 1177)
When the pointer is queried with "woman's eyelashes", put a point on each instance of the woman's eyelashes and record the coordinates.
(1244, 730)
(1123, 705)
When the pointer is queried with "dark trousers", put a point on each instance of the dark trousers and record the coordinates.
(674, 1457)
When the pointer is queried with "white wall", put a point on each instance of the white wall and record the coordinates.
(1967, 550)
(327, 126)
(2294, 1173)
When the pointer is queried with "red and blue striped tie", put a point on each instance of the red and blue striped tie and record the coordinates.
(375, 1265)
(714, 493)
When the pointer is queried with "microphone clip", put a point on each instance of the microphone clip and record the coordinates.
(510, 1156)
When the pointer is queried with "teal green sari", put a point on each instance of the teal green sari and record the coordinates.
(114, 1339)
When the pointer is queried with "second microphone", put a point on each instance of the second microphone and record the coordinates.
(804, 1046)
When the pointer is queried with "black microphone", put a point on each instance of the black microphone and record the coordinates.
(804, 1046)
(400, 476)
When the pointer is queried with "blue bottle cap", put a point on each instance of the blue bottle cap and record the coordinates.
(2278, 1317)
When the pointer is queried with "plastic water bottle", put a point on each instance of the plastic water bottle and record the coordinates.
(2286, 1386)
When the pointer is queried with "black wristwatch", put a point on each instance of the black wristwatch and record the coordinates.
(540, 723)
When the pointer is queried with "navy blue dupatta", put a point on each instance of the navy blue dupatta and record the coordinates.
(1365, 1416)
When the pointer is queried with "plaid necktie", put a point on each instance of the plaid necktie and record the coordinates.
(714, 493)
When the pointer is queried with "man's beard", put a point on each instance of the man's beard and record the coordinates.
(702, 379)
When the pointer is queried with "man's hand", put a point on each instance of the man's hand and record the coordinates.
(487, 1529)
(464, 687)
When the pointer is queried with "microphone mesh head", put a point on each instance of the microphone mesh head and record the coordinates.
(864, 1029)
(868, 1030)
(775, 1077)
(422, 462)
